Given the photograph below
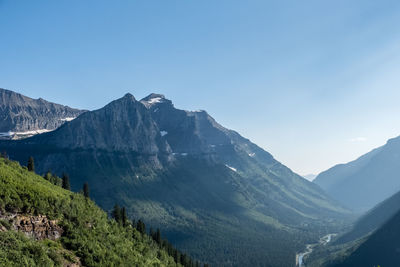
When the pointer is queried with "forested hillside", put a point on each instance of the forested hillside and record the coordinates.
(43, 224)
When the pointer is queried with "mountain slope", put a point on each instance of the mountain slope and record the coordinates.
(363, 183)
(217, 195)
(373, 219)
(362, 231)
(21, 116)
(381, 248)
(84, 235)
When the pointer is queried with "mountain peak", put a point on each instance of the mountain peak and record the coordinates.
(129, 96)
(153, 99)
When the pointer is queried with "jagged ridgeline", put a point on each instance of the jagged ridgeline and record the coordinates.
(42, 224)
(22, 116)
(215, 194)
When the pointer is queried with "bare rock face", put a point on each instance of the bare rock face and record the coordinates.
(123, 125)
(21, 116)
(38, 227)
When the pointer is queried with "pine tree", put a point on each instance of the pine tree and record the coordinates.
(47, 176)
(124, 217)
(116, 213)
(158, 236)
(86, 190)
(54, 179)
(65, 182)
(31, 164)
(152, 233)
(141, 227)
(176, 256)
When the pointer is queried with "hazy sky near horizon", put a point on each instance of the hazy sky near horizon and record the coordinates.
(315, 83)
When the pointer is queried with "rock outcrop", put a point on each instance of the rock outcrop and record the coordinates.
(38, 227)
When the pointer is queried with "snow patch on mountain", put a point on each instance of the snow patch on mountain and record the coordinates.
(163, 133)
(230, 167)
(68, 119)
(20, 135)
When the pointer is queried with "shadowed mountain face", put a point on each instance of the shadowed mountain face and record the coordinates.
(21, 116)
(381, 248)
(363, 183)
(218, 196)
(373, 219)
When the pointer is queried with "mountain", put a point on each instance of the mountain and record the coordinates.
(218, 196)
(345, 245)
(372, 220)
(381, 248)
(42, 224)
(21, 116)
(310, 177)
(363, 183)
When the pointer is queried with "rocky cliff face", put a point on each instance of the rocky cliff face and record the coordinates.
(38, 227)
(123, 125)
(21, 116)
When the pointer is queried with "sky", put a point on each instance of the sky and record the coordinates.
(315, 83)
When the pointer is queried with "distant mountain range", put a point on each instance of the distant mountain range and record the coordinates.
(21, 116)
(363, 183)
(219, 197)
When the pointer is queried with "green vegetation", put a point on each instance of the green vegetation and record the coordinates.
(89, 236)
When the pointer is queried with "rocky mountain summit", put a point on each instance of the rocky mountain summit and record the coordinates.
(184, 172)
(21, 116)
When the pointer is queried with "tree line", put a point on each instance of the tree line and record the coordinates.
(120, 216)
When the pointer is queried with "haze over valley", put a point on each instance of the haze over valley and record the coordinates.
(212, 133)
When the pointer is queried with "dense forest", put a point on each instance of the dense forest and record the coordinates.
(89, 237)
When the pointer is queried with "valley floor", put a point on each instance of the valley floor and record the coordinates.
(310, 247)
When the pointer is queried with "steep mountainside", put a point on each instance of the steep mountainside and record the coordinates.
(382, 248)
(373, 219)
(218, 196)
(42, 224)
(21, 116)
(363, 183)
(365, 228)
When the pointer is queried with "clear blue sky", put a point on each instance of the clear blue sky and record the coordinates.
(313, 82)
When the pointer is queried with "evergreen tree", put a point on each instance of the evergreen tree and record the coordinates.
(65, 182)
(86, 190)
(124, 217)
(47, 176)
(158, 236)
(141, 227)
(31, 164)
(176, 256)
(116, 213)
(54, 179)
(152, 233)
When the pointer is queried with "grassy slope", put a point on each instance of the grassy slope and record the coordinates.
(89, 234)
